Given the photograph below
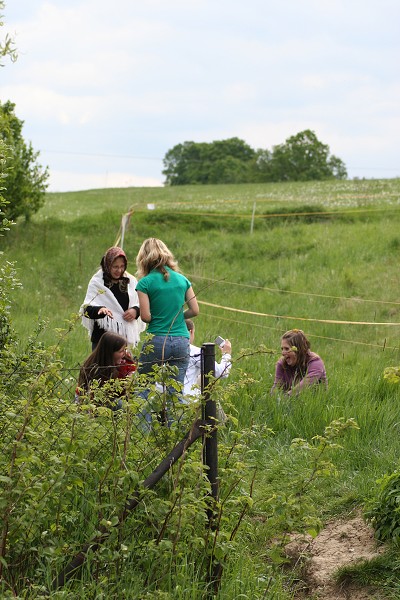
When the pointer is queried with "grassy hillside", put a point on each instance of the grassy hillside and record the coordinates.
(323, 257)
(339, 261)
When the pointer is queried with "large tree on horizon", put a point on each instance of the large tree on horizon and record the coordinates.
(222, 161)
(301, 158)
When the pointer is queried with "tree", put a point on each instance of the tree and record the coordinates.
(223, 161)
(25, 182)
(7, 274)
(301, 158)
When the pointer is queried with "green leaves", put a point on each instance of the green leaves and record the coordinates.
(301, 158)
(26, 180)
(392, 374)
(383, 509)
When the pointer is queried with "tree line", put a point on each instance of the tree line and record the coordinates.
(301, 158)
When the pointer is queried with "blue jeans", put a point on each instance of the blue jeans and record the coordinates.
(166, 349)
(171, 350)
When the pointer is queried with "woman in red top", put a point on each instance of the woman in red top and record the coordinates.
(109, 360)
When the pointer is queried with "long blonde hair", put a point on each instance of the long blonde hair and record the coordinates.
(154, 254)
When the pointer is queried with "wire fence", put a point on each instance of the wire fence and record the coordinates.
(82, 459)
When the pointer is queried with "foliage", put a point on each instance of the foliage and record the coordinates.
(293, 511)
(25, 178)
(383, 509)
(224, 161)
(8, 280)
(291, 268)
(392, 374)
(301, 158)
(68, 471)
(7, 47)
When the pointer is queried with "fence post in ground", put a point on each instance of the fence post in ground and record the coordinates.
(210, 446)
(210, 455)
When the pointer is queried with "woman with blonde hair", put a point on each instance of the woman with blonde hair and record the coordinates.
(298, 367)
(163, 293)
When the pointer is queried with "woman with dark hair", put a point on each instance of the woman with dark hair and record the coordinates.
(109, 360)
(111, 302)
(298, 367)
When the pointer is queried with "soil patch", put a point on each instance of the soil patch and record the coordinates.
(339, 544)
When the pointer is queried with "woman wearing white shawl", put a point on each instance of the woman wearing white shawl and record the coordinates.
(111, 302)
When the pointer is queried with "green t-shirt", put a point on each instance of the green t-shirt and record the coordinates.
(167, 302)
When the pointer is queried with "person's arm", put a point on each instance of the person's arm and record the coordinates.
(132, 314)
(193, 307)
(222, 369)
(144, 305)
(97, 312)
(315, 373)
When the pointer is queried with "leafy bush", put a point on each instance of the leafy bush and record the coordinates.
(383, 510)
(69, 470)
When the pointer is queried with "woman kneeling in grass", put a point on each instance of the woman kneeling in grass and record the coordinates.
(298, 367)
(109, 360)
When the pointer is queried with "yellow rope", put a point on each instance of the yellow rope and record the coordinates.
(310, 335)
(258, 287)
(333, 321)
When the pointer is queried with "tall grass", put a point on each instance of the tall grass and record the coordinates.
(327, 274)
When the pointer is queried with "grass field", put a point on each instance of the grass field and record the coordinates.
(323, 257)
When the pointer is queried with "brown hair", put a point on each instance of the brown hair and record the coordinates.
(100, 364)
(297, 339)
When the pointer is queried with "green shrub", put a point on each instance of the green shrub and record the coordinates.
(383, 510)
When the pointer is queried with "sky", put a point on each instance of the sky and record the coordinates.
(106, 88)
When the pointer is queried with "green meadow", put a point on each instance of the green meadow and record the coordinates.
(262, 258)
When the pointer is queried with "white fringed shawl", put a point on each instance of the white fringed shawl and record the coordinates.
(99, 295)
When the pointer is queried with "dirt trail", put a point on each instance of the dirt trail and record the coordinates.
(340, 543)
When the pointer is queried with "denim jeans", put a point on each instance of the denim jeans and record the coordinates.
(171, 350)
(166, 349)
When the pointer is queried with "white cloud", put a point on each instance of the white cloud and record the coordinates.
(135, 79)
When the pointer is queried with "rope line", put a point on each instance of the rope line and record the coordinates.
(258, 287)
(321, 337)
(332, 321)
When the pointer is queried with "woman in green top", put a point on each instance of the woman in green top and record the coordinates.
(163, 293)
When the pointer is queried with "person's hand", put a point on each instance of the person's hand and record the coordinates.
(227, 347)
(130, 314)
(106, 312)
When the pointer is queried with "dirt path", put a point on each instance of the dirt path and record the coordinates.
(340, 543)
